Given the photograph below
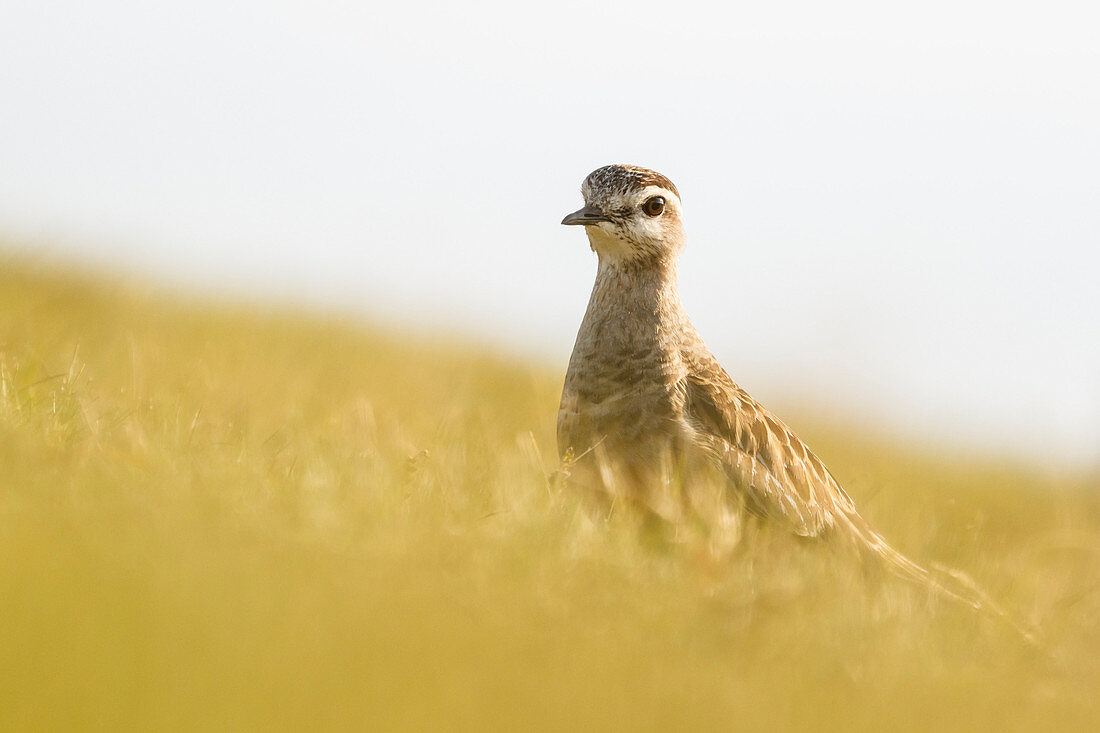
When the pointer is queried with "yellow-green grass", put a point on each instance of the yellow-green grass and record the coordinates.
(229, 517)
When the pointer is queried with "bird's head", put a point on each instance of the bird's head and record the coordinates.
(631, 215)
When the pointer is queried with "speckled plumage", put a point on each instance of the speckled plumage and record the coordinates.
(643, 386)
(646, 407)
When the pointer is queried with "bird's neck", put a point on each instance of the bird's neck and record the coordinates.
(637, 283)
(634, 305)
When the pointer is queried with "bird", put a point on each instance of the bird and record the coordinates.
(646, 407)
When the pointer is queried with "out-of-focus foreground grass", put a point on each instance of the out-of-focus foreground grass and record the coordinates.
(225, 518)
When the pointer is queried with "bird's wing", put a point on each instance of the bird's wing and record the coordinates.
(776, 473)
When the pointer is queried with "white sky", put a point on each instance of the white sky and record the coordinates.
(891, 211)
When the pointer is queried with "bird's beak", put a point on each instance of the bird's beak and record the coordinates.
(587, 215)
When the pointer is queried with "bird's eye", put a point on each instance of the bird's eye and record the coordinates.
(654, 205)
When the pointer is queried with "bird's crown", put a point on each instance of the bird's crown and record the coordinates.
(620, 180)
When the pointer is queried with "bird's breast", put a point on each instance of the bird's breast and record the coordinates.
(626, 399)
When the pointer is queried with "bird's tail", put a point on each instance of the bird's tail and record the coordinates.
(945, 581)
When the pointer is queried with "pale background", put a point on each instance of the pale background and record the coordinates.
(893, 212)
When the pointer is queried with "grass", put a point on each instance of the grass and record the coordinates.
(217, 517)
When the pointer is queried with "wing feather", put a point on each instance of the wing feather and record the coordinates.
(776, 473)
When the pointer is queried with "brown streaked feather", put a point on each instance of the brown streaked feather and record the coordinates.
(622, 178)
(779, 476)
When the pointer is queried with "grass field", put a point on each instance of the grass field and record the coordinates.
(237, 518)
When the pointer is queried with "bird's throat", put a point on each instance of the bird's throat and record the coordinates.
(632, 311)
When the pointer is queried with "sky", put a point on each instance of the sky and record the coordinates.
(893, 212)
